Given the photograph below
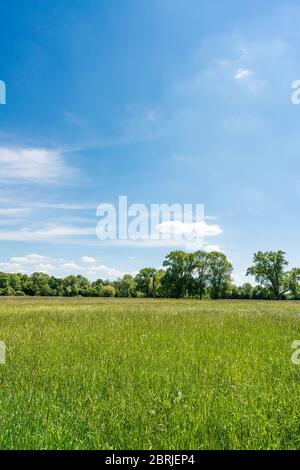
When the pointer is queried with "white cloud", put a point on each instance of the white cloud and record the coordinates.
(29, 259)
(28, 264)
(57, 267)
(33, 164)
(168, 234)
(13, 211)
(70, 266)
(104, 271)
(11, 268)
(88, 259)
(46, 234)
(46, 267)
(242, 73)
(13, 204)
(198, 229)
(210, 248)
(66, 207)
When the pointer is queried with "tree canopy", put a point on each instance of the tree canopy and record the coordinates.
(184, 275)
(269, 270)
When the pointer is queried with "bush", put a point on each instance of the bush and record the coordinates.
(8, 291)
(20, 293)
(108, 291)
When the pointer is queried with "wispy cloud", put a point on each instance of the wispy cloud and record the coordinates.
(242, 73)
(64, 207)
(199, 229)
(13, 211)
(88, 259)
(36, 165)
(29, 259)
(46, 234)
(57, 267)
(210, 248)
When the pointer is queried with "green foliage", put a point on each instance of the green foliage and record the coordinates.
(219, 275)
(146, 282)
(246, 291)
(108, 291)
(269, 270)
(201, 269)
(184, 275)
(126, 286)
(178, 275)
(197, 274)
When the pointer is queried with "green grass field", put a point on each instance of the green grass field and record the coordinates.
(149, 374)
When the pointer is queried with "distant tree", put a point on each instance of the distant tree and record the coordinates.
(146, 282)
(70, 286)
(197, 274)
(97, 287)
(235, 292)
(261, 293)
(201, 269)
(26, 284)
(4, 280)
(40, 284)
(15, 282)
(8, 291)
(293, 282)
(56, 286)
(219, 275)
(125, 287)
(108, 291)
(246, 291)
(178, 275)
(84, 286)
(269, 270)
(159, 283)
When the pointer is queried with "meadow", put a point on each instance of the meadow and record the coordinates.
(149, 374)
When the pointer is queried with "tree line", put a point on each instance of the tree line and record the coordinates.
(198, 275)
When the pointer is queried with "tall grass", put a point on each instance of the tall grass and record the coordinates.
(142, 374)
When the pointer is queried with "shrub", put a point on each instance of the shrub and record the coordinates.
(108, 291)
(20, 293)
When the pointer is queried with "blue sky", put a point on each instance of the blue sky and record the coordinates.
(164, 101)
